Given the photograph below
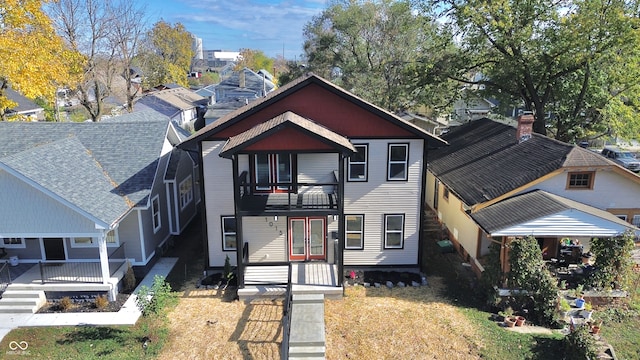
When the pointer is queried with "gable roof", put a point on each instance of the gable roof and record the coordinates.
(100, 169)
(24, 104)
(288, 119)
(541, 213)
(485, 160)
(284, 91)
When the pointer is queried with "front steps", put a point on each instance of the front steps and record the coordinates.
(21, 301)
(306, 336)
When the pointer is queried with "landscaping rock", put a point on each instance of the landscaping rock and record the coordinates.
(424, 281)
(415, 284)
(367, 284)
(376, 285)
(400, 284)
(389, 284)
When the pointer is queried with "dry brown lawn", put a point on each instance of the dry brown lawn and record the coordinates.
(368, 323)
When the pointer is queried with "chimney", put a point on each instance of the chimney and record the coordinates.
(525, 126)
(242, 79)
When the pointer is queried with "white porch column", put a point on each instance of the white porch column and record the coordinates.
(104, 263)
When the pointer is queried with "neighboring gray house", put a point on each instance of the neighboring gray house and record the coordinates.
(238, 90)
(26, 107)
(90, 193)
(179, 104)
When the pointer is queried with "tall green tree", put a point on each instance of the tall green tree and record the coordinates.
(166, 54)
(34, 60)
(375, 49)
(573, 63)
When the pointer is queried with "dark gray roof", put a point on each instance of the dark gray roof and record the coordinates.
(102, 168)
(24, 104)
(531, 206)
(279, 122)
(484, 160)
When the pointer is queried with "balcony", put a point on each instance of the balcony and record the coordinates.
(302, 197)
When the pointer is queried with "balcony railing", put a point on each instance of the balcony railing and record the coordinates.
(81, 271)
(288, 196)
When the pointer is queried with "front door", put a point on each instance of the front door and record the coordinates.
(53, 248)
(307, 239)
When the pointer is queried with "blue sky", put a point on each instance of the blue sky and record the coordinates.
(232, 25)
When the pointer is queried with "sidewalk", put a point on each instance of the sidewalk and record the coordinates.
(128, 314)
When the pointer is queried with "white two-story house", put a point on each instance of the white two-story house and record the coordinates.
(312, 174)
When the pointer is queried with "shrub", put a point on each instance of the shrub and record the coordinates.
(101, 302)
(153, 301)
(65, 303)
(529, 274)
(613, 262)
(129, 280)
(579, 344)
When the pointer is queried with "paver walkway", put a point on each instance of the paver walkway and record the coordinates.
(128, 314)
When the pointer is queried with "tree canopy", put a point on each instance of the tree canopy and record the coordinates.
(35, 61)
(383, 51)
(255, 60)
(166, 54)
(573, 63)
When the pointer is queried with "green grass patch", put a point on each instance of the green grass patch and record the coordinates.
(500, 343)
(91, 342)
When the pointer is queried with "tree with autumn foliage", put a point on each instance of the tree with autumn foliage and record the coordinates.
(255, 60)
(35, 61)
(166, 54)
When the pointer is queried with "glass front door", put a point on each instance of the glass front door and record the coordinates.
(307, 239)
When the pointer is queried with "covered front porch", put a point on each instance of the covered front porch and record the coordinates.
(304, 277)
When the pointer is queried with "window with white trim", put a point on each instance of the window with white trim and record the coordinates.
(86, 241)
(13, 243)
(155, 213)
(393, 231)
(358, 163)
(229, 238)
(354, 232)
(636, 220)
(186, 192)
(397, 162)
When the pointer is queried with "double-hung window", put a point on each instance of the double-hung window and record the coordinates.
(155, 213)
(398, 162)
(393, 231)
(13, 243)
(358, 169)
(186, 192)
(354, 237)
(229, 238)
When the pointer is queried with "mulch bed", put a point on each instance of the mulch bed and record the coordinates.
(360, 277)
(83, 306)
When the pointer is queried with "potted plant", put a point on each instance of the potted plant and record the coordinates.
(580, 302)
(587, 311)
(509, 319)
(520, 320)
(564, 307)
(595, 328)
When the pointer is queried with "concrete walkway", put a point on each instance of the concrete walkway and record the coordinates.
(128, 314)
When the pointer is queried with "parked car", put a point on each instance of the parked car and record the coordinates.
(625, 159)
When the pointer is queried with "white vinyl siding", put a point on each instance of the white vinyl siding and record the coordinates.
(317, 168)
(378, 197)
(267, 238)
(218, 191)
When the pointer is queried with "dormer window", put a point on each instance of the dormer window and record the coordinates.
(580, 180)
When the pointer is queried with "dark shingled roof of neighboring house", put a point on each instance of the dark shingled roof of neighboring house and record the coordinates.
(102, 168)
(484, 160)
